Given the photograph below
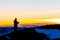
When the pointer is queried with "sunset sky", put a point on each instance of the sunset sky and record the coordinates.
(29, 11)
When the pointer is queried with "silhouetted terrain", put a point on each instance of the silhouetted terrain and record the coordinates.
(31, 33)
(55, 26)
(25, 34)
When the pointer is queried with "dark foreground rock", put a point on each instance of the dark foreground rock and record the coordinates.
(26, 34)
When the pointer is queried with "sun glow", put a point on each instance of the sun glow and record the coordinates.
(53, 20)
(41, 21)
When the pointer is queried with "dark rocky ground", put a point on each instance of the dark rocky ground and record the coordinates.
(26, 34)
(29, 34)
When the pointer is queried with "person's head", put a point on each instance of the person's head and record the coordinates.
(15, 18)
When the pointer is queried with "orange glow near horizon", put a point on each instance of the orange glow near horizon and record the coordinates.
(35, 21)
(52, 21)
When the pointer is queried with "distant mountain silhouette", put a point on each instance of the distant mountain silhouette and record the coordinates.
(55, 26)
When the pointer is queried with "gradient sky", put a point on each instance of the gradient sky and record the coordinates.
(28, 10)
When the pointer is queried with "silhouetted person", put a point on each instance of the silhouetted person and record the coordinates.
(15, 25)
